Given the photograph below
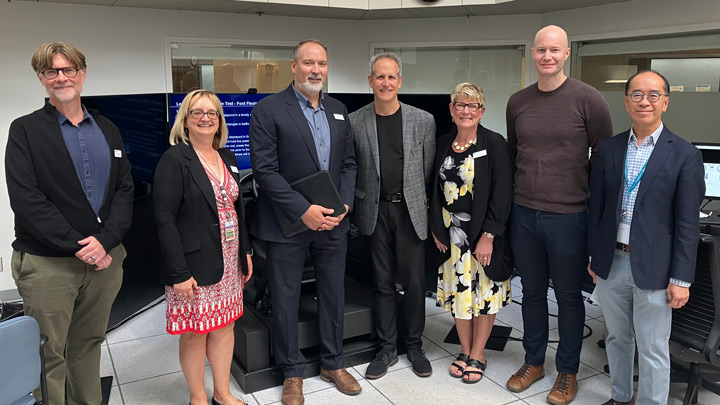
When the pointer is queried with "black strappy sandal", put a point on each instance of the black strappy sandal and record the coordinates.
(476, 364)
(461, 357)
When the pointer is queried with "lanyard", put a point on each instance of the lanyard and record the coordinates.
(635, 182)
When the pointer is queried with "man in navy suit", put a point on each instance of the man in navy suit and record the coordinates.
(645, 192)
(294, 134)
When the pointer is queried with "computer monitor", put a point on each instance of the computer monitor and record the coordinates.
(711, 160)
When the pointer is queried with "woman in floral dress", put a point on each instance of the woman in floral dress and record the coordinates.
(203, 242)
(469, 209)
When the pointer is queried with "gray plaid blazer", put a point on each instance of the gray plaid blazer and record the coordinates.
(418, 155)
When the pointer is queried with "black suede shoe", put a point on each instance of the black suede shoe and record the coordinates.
(379, 367)
(420, 364)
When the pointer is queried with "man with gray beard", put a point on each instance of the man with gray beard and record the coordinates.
(294, 134)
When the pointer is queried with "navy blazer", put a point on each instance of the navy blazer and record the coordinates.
(492, 193)
(665, 230)
(282, 150)
(187, 218)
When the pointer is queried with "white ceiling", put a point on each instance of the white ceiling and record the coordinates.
(354, 9)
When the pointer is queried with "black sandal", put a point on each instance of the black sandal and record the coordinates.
(476, 364)
(461, 357)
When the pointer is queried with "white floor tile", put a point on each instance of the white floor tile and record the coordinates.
(106, 367)
(431, 308)
(404, 387)
(147, 357)
(148, 323)
(115, 398)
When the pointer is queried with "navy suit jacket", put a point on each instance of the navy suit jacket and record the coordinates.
(282, 150)
(665, 230)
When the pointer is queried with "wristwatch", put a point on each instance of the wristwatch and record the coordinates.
(489, 235)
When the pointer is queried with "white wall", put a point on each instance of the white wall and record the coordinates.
(125, 48)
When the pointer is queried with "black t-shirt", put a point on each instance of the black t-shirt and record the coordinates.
(390, 145)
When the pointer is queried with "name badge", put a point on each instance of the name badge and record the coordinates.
(234, 169)
(117, 153)
(339, 117)
(479, 153)
(229, 230)
(623, 235)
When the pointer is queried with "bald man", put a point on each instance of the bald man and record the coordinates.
(551, 125)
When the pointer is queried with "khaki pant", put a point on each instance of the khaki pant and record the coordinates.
(71, 301)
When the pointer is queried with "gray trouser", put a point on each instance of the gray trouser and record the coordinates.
(633, 314)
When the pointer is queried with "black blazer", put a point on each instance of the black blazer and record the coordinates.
(665, 231)
(492, 197)
(282, 150)
(187, 218)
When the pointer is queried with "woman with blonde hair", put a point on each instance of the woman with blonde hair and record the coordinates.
(469, 209)
(204, 245)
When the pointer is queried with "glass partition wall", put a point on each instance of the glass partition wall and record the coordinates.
(230, 68)
(691, 63)
(498, 70)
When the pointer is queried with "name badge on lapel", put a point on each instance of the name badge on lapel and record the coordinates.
(234, 169)
(117, 153)
(339, 117)
(479, 154)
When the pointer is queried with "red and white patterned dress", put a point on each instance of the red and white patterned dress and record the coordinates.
(216, 305)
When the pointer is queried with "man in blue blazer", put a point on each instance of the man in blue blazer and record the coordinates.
(645, 192)
(294, 134)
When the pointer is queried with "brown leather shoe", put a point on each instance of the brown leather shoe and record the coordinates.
(292, 393)
(525, 377)
(564, 390)
(346, 383)
(614, 402)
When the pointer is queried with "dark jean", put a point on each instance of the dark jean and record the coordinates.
(553, 246)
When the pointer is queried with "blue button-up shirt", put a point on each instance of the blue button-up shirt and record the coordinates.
(319, 126)
(637, 157)
(90, 155)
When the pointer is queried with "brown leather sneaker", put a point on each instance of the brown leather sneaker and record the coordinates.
(292, 393)
(614, 402)
(564, 390)
(525, 377)
(345, 382)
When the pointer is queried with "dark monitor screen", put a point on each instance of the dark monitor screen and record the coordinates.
(236, 109)
(711, 161)
(142, 121)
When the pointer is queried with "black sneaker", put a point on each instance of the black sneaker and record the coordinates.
(420, 364)
(379, 367)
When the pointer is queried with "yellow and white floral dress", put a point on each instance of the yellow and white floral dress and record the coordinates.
(463, 288)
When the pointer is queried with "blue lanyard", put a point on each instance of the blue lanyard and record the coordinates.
(635, 182)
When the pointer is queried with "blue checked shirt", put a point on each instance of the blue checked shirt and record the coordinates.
(90, 155)
(637, 157)
(319, 126)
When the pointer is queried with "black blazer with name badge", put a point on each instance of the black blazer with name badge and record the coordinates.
(187, 218)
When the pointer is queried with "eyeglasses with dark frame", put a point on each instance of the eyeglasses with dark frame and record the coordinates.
(638, 96)
(53, 73)
(197, 114)
(472, 107)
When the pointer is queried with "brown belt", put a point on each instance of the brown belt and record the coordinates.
(621, 246)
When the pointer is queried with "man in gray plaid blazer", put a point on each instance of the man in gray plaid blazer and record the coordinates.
(395, 150)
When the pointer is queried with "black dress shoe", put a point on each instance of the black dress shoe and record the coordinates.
(214, 402)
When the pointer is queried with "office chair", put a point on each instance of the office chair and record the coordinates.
(695, 333)
(22, 367)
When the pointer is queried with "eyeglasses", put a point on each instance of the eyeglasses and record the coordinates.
(197, 114)
(69, 72)
(638, 96)
(472, 107)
